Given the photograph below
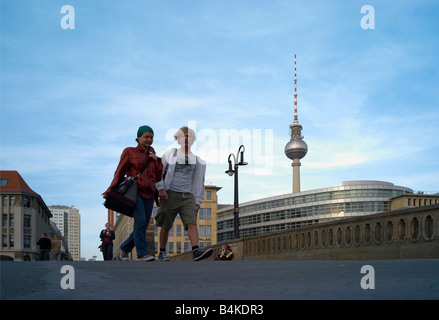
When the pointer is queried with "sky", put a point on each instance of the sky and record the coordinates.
(78, 81)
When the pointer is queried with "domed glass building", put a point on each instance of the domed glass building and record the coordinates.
(293, 210)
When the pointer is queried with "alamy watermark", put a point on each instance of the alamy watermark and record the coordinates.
(68, 20)
(366, 22)
(214, 146)
(367, 281)
(68, 281)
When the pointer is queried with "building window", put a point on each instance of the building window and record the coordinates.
(3, 182)
(208, 195)
(12, 201)
(409, 202)
(26, 221)
(205, 213)
(11, 220)
(171, 247)
(178, 247)
(26, 202)
(5, 201)
(178, 226)
(205, 231)
(27, 241)
(204, 244)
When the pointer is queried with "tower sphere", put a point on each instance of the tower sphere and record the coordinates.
(296, 149)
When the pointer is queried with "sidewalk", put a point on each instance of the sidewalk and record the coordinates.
(221, 280)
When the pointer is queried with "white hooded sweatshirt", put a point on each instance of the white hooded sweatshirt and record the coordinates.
(169, 161)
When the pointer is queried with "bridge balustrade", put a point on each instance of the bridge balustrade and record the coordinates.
(411, 233)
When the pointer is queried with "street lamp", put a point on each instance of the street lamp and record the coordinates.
(230, 172)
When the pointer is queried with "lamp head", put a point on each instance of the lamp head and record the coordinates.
(230, 172)
(241, 161)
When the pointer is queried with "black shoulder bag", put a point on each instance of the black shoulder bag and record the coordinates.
(122, 198)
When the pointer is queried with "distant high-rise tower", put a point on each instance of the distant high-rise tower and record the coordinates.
(296, 148)
(68, 221)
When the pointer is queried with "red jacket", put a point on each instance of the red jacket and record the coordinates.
(131, 162)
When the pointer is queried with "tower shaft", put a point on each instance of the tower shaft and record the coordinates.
(296, 175)
(296, 149)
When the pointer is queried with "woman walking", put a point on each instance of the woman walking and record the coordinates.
(107, 236)
(131, 162)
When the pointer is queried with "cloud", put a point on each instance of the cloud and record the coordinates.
(339, 160)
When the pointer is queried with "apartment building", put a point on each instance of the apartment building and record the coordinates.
(25, 217)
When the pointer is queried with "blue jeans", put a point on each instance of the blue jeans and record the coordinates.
(141, 215)
(44, 254)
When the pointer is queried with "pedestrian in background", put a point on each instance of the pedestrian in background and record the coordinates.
(45, 246)
(107, 236)
(55, 253)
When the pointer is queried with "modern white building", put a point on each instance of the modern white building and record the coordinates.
(293, 210)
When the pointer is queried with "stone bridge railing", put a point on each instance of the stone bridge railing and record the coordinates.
(411, 233)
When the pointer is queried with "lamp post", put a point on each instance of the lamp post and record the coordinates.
(230, 172)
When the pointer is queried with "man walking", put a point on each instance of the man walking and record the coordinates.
(181, 192)
(45, 245)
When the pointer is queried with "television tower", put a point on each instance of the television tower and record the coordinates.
(296, 148)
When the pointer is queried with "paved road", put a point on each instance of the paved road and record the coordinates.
(221, 280)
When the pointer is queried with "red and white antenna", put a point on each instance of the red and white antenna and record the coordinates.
(295, 91)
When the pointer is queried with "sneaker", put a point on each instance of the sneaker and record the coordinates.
(145, 258)
(163, 256)
(124, 256)
(199, 254)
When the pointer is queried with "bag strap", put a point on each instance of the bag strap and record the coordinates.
(144, 166)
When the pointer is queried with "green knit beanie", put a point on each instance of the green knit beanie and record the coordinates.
(144, 129)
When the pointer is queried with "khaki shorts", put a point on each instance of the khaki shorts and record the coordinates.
(177, 203)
